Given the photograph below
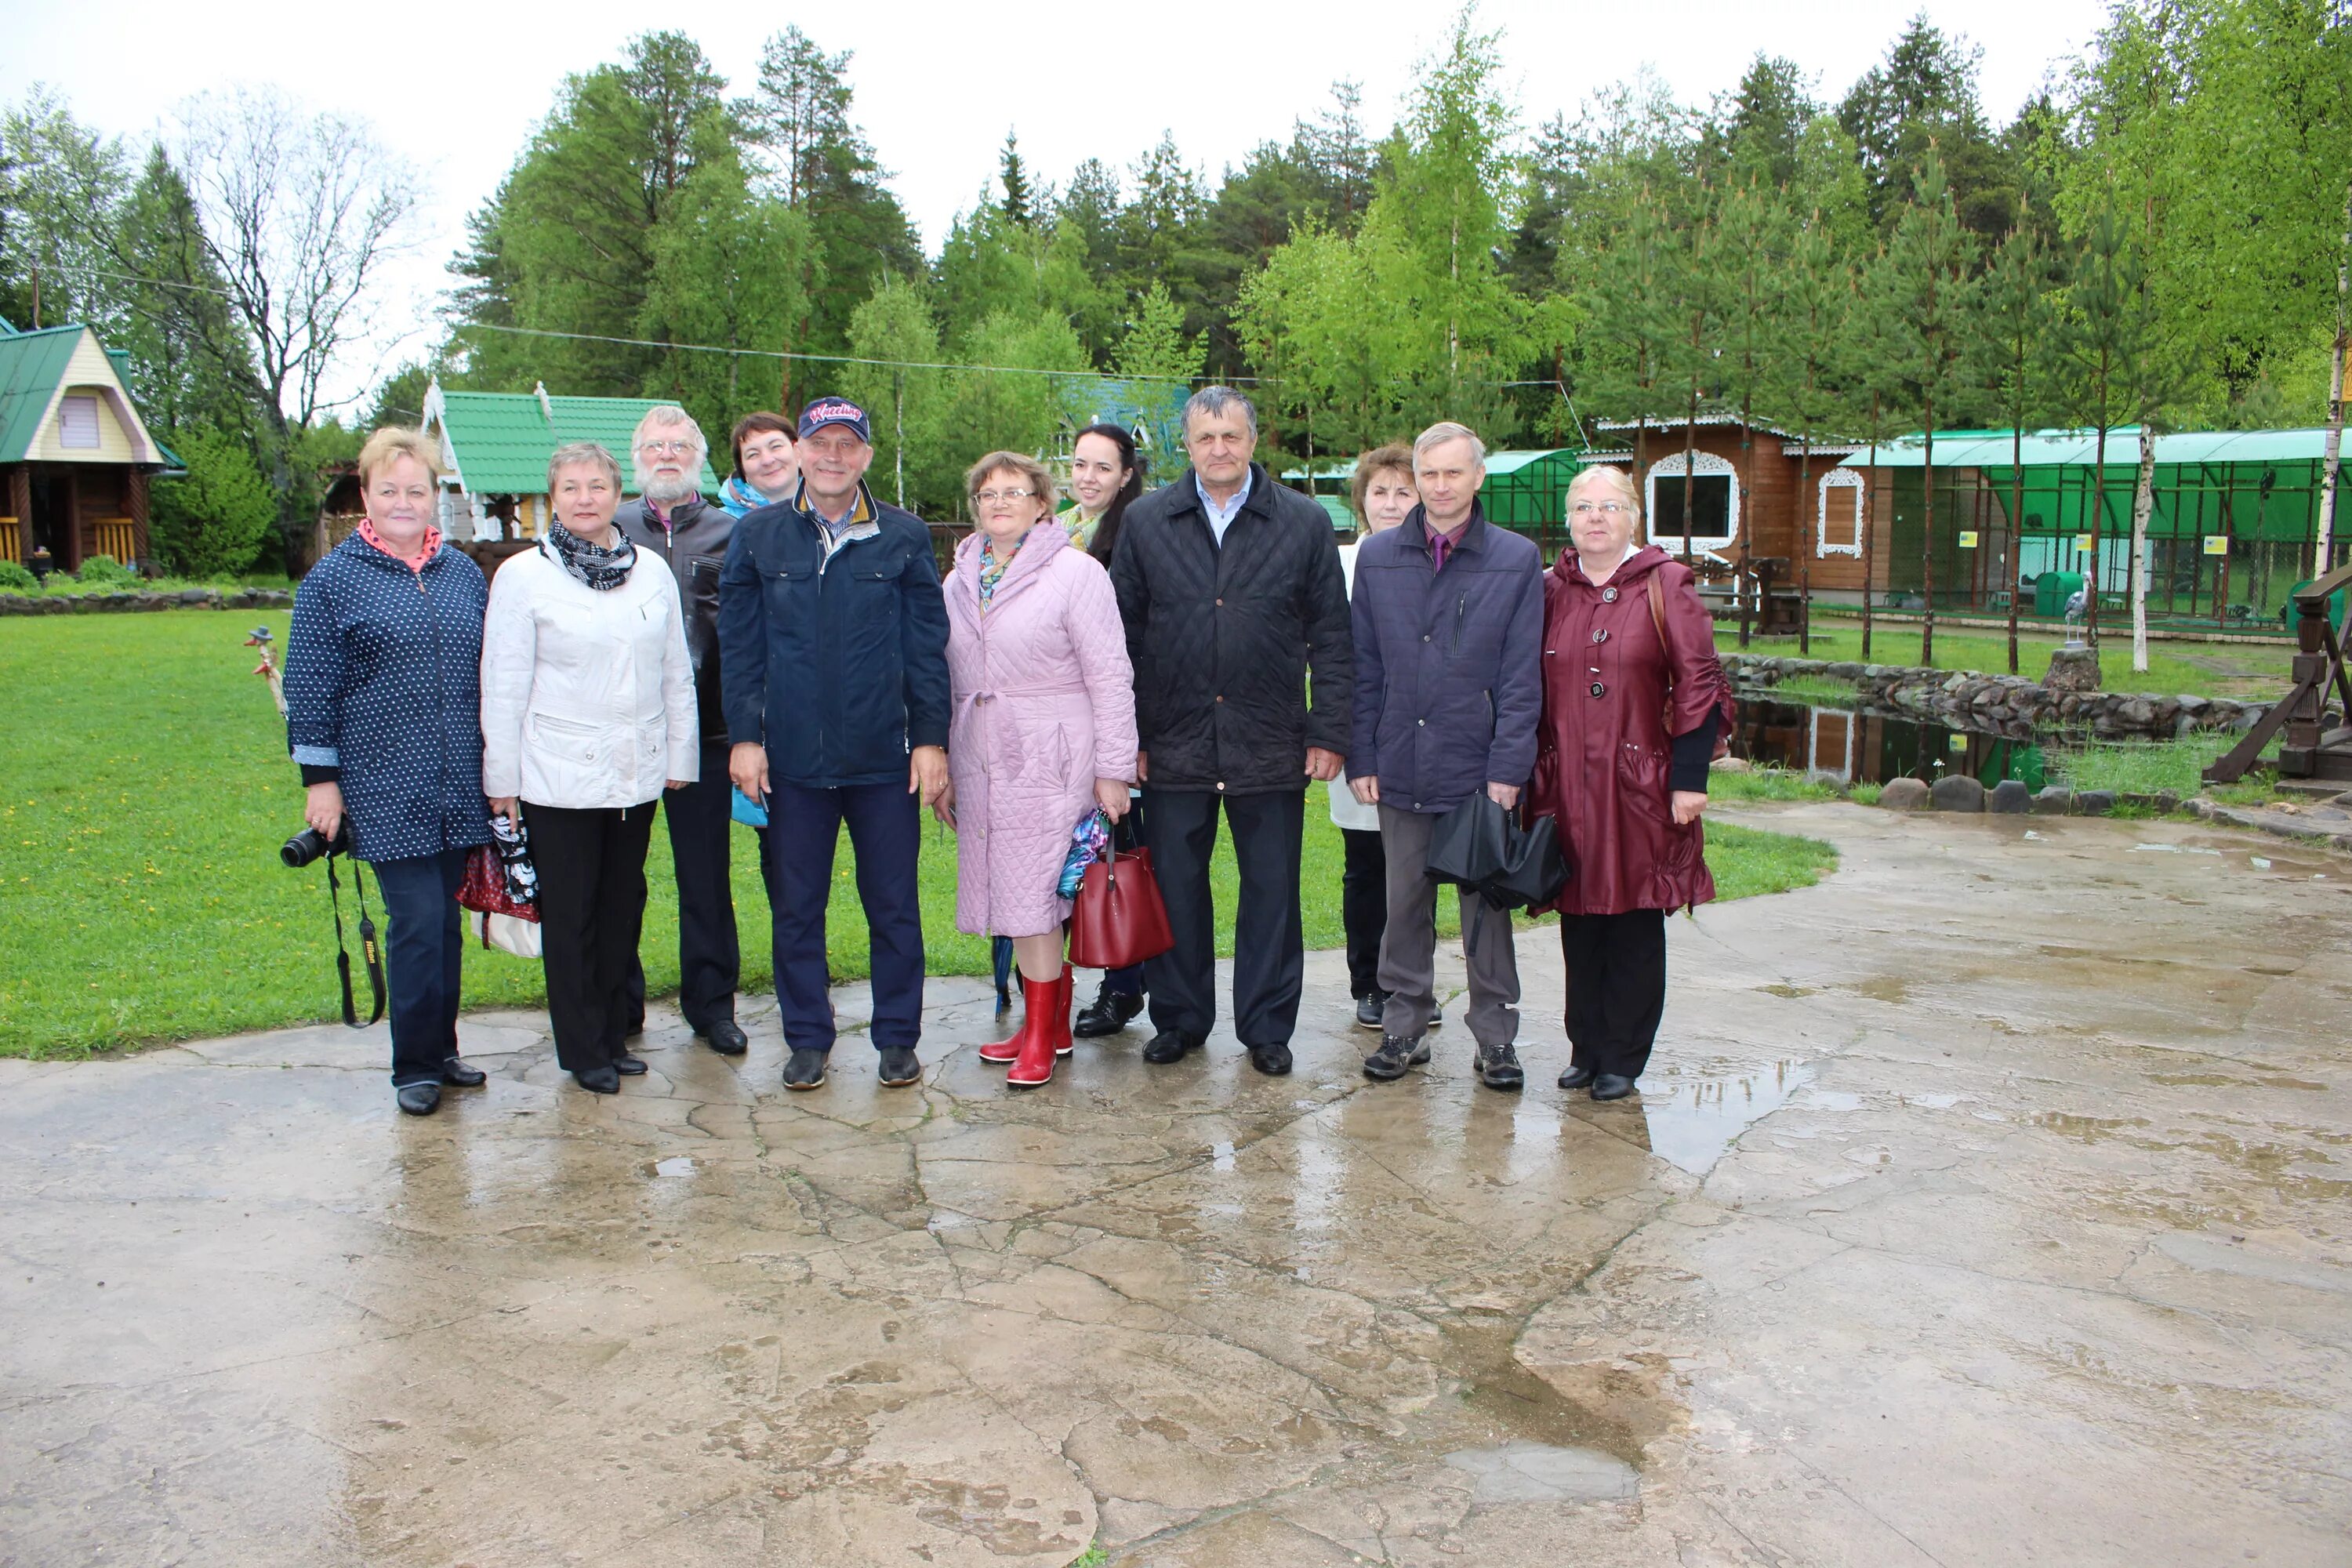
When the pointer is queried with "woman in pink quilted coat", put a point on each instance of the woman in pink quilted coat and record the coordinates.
(1042, 733)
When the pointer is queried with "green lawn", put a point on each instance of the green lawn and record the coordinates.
(144, 791)
(2248, 672)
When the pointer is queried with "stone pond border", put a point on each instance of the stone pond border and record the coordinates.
(2007, 705)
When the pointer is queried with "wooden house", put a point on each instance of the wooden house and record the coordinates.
(494, 452)
(74, 457)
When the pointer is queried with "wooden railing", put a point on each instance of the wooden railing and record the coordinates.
(2309, 749)
(12, 542)
(118, 537)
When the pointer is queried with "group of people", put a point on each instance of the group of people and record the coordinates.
(787, 651)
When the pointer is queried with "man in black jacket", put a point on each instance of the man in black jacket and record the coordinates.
(1231, 589)
(836, 641)
(671, 518)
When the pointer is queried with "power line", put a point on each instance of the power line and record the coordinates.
(827, 359)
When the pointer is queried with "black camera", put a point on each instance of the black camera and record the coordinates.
(310, 843)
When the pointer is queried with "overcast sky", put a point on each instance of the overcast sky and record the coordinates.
(457, 89)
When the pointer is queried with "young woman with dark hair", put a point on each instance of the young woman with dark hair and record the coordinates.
(1106, 474)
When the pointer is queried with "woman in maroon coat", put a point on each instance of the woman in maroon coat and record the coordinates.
(1633, 697)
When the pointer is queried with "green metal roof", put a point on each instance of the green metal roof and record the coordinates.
(2079, 448)
(503, 439)
(31, 365)
(1497, 463)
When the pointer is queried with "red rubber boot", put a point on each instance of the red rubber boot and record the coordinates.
(1035, 1064)
(1009, 1050)
(1061, 1020)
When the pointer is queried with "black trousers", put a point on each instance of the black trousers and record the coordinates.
(1616, 987)
(709, 960)
(1269, 948)
(1364, 906)
(591, 904)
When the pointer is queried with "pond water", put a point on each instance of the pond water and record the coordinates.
(1855, 747)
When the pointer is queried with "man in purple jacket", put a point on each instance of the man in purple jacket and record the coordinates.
(1448, 612)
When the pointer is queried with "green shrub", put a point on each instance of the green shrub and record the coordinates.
(17, 578)
(103, 572)
(218, 517)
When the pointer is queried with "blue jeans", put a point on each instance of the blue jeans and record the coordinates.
(423, 941)
(885, 834)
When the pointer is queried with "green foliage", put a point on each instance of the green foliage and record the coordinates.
(17, 578)
(913, 464)
(218, 517)
(103, 571)
(1156, 344)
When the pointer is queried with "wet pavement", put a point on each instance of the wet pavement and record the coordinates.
(1986, 1204)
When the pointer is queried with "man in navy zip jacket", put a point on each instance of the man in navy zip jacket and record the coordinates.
(833, 638)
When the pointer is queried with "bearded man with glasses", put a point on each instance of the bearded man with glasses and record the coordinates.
(670, 519)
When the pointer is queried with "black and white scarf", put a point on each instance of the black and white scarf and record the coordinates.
(603, 570)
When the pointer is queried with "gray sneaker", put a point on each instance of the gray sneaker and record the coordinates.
(1498, 1068)
(1395, 1055)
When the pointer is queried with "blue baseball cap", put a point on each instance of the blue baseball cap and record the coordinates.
(838, 411)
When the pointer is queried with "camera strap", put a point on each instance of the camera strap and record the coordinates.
(369, 952)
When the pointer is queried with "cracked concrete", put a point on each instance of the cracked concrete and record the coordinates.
(1986, 1206)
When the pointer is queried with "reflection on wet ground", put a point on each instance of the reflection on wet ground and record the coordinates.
(1693, 1115)
(1985, 1205)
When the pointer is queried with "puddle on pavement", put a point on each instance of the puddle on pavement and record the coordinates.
(1539, 1472)
(1693, 1120)
(1620, 1405)
(675, 1165)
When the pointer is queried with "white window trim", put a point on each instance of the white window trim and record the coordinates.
(76, 403)
(1844, 479)
(1704, 465)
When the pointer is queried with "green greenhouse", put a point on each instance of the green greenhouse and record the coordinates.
(2231, 529)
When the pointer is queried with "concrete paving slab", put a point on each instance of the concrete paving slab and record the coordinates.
(1985, 1205)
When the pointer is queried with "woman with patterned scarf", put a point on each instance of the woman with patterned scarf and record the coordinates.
(588, 714)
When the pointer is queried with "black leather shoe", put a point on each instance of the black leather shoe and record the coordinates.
(1498, 1068)
(805, 1070)
(725, 1037)
(1612, 1086)
(1171, 1046)
(598, 1080)
(1108, 1014)
(1575, 1077)
(900, 1066)
(629, 1066)
(1395, 1055)
(418, 1099)
(455, 1070)
(1272, 1060)
(1369, 1007)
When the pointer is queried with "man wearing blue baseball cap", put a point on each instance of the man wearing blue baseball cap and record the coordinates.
(833, 640)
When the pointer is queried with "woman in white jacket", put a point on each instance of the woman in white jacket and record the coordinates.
(588, 713)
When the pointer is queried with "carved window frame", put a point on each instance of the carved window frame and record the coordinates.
(1843, 479)
(1704, 465)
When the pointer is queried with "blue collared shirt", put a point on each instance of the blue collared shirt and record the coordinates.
(1219, 520)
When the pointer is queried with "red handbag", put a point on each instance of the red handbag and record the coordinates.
(484, 890)
(1117, 918)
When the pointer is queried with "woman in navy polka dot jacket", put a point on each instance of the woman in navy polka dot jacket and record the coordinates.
(384, 717)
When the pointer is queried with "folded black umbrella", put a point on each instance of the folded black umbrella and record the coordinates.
(1481, 847)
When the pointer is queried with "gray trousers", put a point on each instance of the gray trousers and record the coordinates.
(1408, 947)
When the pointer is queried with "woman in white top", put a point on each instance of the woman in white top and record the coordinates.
(1382, 494)
(588, 714)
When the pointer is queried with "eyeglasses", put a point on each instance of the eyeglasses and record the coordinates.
(667, 448)
(1610, 509)
(990, 498)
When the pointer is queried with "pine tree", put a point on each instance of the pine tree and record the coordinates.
(2097, 338)
(1753, 231)
(1933, 260)
(2013, 323)
(1816, 294)
(1014, 178)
